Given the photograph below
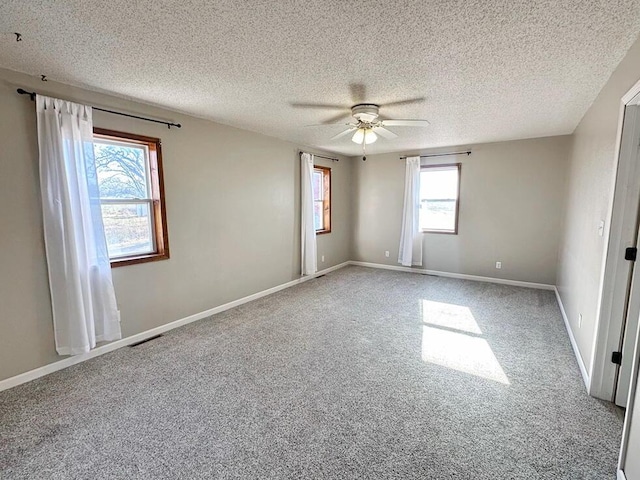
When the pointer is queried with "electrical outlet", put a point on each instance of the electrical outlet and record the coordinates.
(498, 265)
(322, 258)
(386, 253)
(579, 320)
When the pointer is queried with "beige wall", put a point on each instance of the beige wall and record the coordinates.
(589, 191)
(511, 198)
(232, 209)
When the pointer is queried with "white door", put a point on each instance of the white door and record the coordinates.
(630, 324)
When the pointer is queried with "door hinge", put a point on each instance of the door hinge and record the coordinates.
(631, 253)
(616, 357)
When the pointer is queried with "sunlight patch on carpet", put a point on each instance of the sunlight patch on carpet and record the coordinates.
(450, 316)
(451, 338)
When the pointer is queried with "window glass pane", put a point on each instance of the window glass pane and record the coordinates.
(317, 185)
(438, 196)
(128, 229)
(122, 170)
(439, 184)
(438, 214)
(318, 217)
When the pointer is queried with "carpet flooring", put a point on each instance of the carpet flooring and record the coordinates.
(361, 373)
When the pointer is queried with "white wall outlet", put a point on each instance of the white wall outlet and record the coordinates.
(579, 320)
(386, 253)
(498, 265)
(322, 258)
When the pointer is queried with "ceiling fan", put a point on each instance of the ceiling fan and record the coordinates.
(366, 125)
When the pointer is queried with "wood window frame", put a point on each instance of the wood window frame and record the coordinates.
(161, 236)
(458, 166)
(326, 199)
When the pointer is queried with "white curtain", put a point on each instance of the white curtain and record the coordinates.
(309, 247)
(411, 238)
(82, 295)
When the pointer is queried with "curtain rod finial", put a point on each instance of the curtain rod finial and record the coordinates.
(32, 95)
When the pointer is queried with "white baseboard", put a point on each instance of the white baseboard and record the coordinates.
(583, 369)
(463, 276)
(109, 347)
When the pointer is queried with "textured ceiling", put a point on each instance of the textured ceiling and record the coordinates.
(488, 70)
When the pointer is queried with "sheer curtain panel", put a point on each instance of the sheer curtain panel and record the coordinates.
(410, 237)
(309, 247)
(82, 296)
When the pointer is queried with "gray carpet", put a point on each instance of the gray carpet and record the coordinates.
(359, 374)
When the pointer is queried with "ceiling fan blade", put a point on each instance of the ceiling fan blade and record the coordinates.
(341, 116)
(342, 134)
(339, 124)
(405, 123)
(383, 132)
(319, 106)
(408, 101)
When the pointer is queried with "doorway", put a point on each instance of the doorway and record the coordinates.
(616, 361)
(622, 357)
(619, 306)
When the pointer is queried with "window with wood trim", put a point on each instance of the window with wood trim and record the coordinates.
(322, 199)
(129, 171)
(440, 198)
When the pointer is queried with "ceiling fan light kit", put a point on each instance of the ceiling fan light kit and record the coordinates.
(366, 135)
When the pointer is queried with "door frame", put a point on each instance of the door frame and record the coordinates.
(619, 234)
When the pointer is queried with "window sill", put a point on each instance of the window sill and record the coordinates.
(151, 257)
(443, 232)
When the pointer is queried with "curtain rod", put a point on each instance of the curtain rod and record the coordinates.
(441, 154)
(322, 156)
(168, 124)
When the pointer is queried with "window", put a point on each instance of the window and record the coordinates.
(439, 198)
(322, 199)
(129, 169)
